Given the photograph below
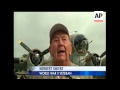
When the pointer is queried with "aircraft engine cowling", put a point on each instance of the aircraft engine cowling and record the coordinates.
(36, 59)
(80, 44)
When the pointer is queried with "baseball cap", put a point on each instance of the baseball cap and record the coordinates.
(58, 27)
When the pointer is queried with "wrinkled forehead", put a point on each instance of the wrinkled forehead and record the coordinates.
(60, 34)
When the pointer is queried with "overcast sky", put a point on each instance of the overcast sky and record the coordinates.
(33, 28)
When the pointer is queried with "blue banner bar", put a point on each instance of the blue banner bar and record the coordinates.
(65, 73)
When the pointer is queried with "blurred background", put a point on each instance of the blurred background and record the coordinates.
(32, 28)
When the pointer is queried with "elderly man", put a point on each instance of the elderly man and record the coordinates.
(60, 46)
(60, 51)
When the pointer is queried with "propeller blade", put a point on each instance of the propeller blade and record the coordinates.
(90, 42)
(25, 47)
(45, 52)
(16, 60)
(102, 54)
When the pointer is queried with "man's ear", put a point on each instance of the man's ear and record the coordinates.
(50, 50)
(70, 48)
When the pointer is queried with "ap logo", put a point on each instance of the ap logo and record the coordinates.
(98, 16)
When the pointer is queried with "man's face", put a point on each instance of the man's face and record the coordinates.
(60, 48)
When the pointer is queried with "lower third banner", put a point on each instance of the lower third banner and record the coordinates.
(65, 73)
